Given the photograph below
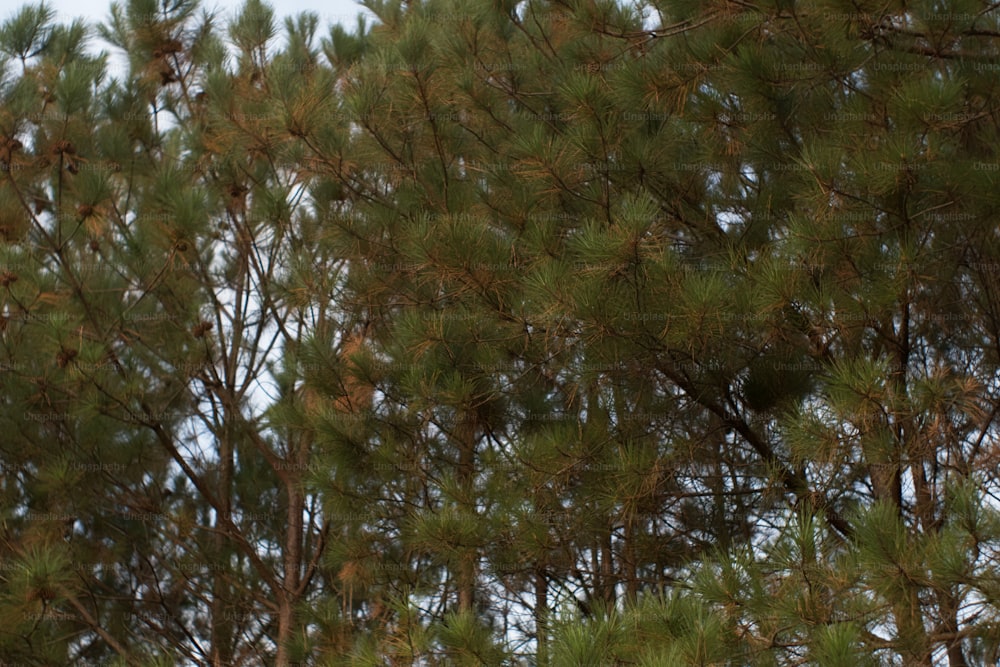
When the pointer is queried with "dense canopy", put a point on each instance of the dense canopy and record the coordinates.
(552, 332)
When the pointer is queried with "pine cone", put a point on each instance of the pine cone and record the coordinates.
(201, 329)
(64, 357)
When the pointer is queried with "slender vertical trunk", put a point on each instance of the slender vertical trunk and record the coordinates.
(910, 631)
(288, 597)
(286, 614)
(608, 594)
(916, 648)
(948, 605)
(716, 482)
(467, 573)
(628, 561)
(222, 612)
(541, 618)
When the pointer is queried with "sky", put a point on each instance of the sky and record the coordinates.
(330, 11)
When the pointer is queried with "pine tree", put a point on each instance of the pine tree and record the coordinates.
(161, 267)
(717, 295)
(555, 331)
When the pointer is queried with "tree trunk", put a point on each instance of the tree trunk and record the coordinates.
(289, 594)
(541, 618)
(466, 434)
(222, 611)
(608, 579)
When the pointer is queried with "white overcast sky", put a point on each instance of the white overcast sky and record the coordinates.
(94, 11)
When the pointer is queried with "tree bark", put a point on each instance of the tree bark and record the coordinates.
(541, 618)
(222, 621)
(466, 432)
(290, 592)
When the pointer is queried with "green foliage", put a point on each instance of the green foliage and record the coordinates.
(28, 32)
(573, 333)
(466, 641)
